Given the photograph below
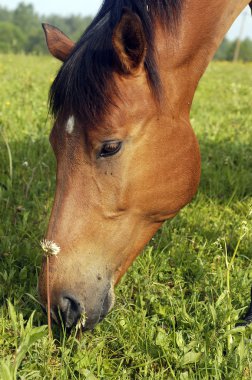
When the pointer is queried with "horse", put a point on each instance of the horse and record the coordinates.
(127, 156)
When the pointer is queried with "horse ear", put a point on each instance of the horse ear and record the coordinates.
(59, 45)
(129, 42)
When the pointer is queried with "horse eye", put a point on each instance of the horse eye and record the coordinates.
(110, 148)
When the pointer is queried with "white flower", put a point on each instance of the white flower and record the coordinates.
(81, 322)
(49, 247)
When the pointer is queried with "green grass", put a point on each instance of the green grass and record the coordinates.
(178, 305)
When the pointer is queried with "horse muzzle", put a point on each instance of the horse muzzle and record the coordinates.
(70, 310)
(82, 308)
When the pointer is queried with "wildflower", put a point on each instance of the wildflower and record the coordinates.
(49, 247)
(82, 321)
(219, 243)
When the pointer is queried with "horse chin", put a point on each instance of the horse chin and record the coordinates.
(107, 305)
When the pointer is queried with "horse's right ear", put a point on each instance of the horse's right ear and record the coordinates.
(59, 45)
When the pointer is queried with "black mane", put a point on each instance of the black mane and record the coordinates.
(84, 85)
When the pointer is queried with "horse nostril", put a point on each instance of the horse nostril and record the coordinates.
(70, 311)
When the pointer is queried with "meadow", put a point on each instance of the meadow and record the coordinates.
(178, 305)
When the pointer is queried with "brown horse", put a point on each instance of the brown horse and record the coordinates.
(127, 157)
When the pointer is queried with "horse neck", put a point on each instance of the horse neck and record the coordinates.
(185, 53)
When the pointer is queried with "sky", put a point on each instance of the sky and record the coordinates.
(90, 7)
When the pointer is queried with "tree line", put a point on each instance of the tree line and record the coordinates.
(20, 32)
(226, 51)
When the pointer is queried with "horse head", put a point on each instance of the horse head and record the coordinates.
(127, 157)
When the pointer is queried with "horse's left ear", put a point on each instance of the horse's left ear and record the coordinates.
(59, 45)
(129, 42)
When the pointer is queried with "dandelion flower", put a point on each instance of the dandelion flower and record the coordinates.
(49, 247)
(82, 321)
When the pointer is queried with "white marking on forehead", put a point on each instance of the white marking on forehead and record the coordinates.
(70, 125)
